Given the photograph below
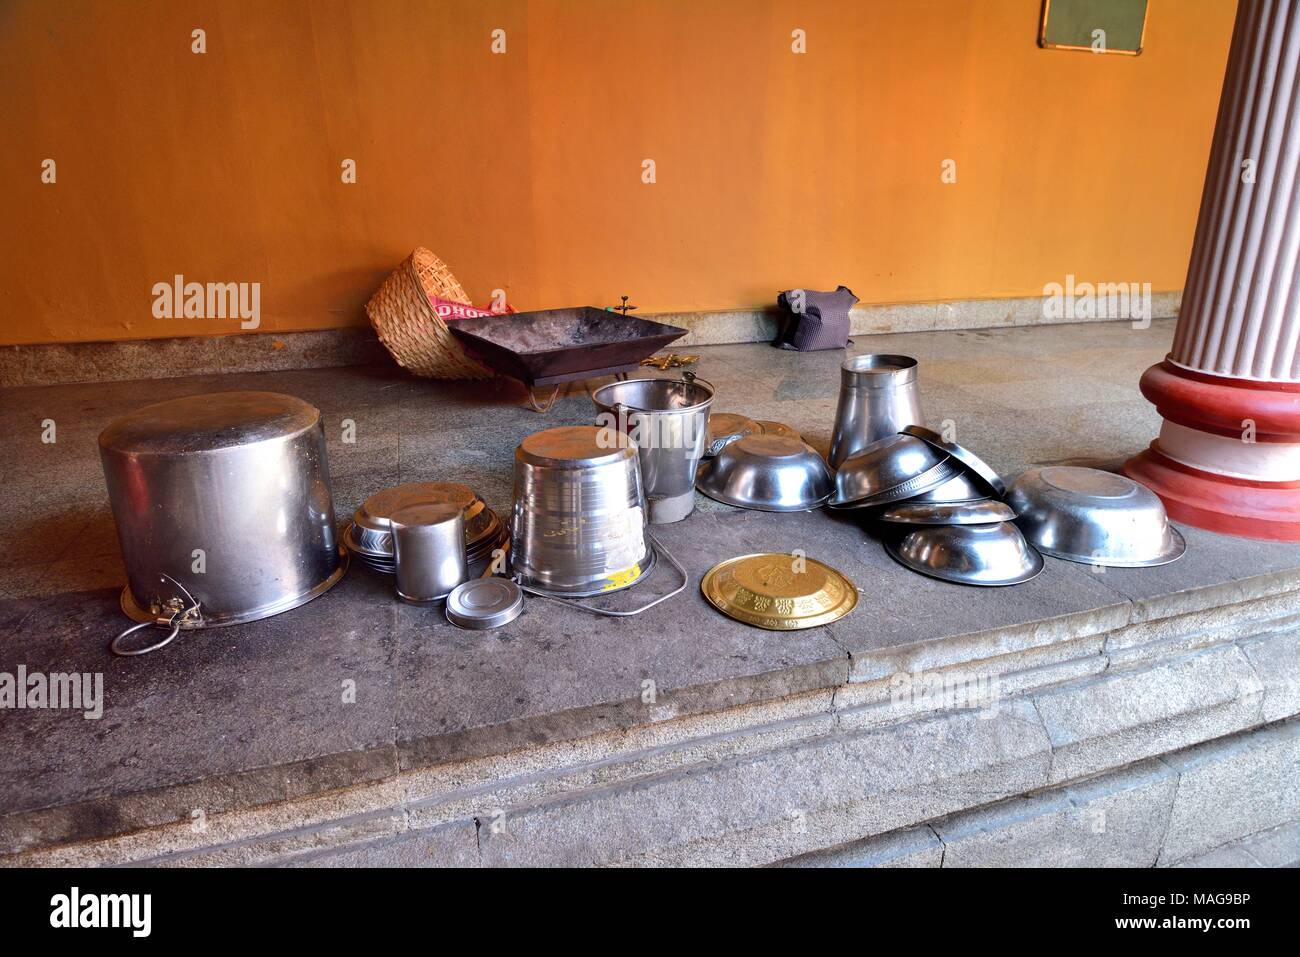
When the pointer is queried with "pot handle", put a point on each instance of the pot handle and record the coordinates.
(635, 611)
(117, 648)
(187, 610)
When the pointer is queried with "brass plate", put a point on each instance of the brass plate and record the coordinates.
(764, 590)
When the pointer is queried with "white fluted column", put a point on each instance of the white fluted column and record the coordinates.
(1241, 302)
(1228, 455)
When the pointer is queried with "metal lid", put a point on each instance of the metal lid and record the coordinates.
(484, 603)
(779, 592)
(574, 447)
(209, 422)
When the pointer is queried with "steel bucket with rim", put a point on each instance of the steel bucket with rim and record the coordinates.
(578, 525)
(667, 420)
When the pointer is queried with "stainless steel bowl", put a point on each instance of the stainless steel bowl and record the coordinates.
(768, 427)
(968, 554)
(960, 488)
(975, 467)
(771, 473)
(1095, 517)
(894, 468)
(913, 512)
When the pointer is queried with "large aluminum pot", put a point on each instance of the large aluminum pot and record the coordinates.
(579, 525)
(223, 508)
(878, 397)
(667, 420)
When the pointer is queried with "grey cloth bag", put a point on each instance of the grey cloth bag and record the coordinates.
(815, 320)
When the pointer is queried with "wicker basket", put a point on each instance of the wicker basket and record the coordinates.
(409, 328)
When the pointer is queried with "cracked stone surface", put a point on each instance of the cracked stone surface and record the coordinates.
(250, 714)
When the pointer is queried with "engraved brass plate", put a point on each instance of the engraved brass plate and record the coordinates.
(779, 592)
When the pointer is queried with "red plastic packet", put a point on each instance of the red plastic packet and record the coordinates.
(448, 310)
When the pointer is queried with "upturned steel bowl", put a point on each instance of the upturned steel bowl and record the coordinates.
(1094, 517)
(960, 488)
(894, 468)
(974, 467)
(986, 555)
(914, 512)
(771, 473)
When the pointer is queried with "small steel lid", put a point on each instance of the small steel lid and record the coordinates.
(483, 603)
(209, 422)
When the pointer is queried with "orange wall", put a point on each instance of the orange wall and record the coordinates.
(523, 170)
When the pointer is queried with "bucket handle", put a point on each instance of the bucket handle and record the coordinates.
(635, 611)
(189, 611)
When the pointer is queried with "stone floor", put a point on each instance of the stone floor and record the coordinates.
(257, 709)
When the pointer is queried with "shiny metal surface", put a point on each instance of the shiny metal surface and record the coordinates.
(578, 526)
(428, 550)
(728, 427)
(768, 427)
(485, 603)
(224, 496)
(975, 467)
(1095, 517)
(914, 512)
(988, 555)
(962, 487)
(771, 473)
(889, 470)
(667, 420)
(878, 397)
(778, 591)
(371, 535)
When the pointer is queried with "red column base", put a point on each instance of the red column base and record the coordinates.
(1217, 503)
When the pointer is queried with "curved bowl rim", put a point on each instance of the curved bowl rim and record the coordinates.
(1036, 566)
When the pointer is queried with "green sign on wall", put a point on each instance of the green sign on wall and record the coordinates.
(1098, 26)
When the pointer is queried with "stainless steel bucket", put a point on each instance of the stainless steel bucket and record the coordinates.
(667, 420)
(578, 527)
(223, 509)
(878, 397)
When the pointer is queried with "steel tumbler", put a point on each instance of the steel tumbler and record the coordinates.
(429, 549)
(878, 397)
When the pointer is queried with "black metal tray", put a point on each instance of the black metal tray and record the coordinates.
(562, 345)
